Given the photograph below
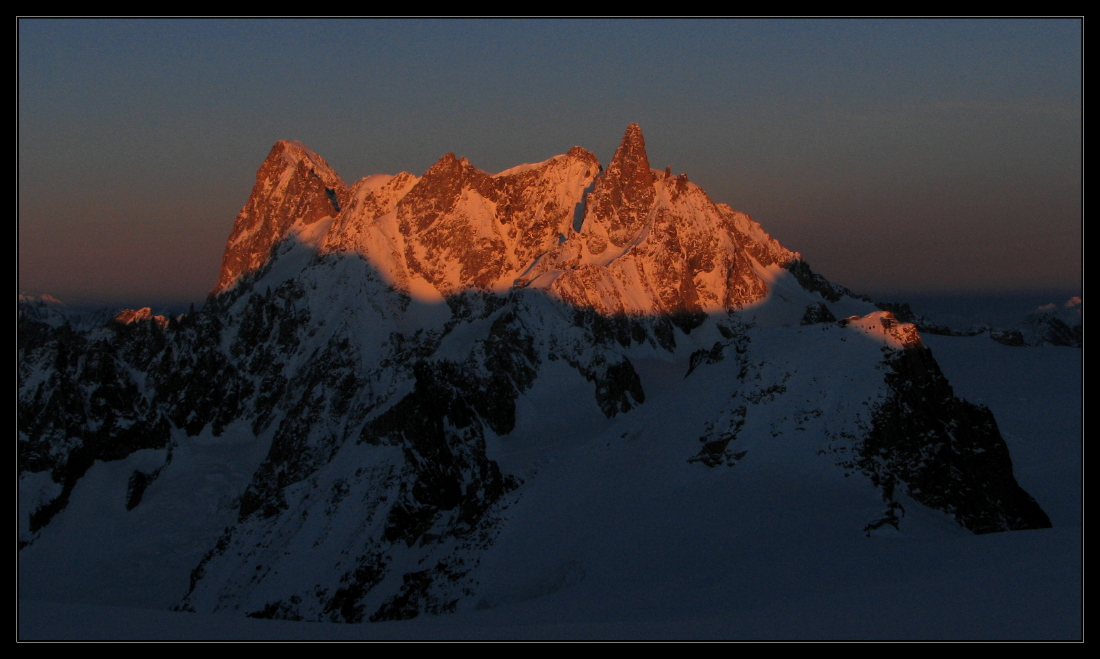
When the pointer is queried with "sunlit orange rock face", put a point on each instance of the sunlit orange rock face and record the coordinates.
(623, 197)
(625, 240)
(293, 186)
(145, 314)
(465, 228)
(655, 243)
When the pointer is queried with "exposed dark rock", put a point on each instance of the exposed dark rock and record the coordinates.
(280, 610)
(346, 603)
(439, 426)
(619, 389)
(818, 313)
(947, 452)
(715, 449)
(89, 408)
(266, 360)
(815, 283)
(1014, 338)
(903, 313)
(415, 596)
(135, 488)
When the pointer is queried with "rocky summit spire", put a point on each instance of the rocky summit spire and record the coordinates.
(624, 193)
(385, 446)
(294, 185)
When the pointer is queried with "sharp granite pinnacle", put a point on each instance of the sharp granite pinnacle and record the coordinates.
(465, 391)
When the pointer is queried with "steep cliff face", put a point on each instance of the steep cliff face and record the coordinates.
(399, 361)
(368, 227)
(464, 228)
(294, 187)
(652, 243)
(685, 257)
(458, 227)
(619, 206)
(626, 240)
(945, 452)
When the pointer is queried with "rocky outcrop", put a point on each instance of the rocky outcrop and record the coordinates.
(621, 241)
(945, 452)
(143, 315)
(619, 205)
(294, 187)
(378, 410)
(812, 281)
(79, 401)
(463, 228)
(817, 313)
(656, 244)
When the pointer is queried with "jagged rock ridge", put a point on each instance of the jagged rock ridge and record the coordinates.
(646, 242)
(294, 187)
(408, 352)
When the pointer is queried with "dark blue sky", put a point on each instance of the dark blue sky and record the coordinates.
(896, 155)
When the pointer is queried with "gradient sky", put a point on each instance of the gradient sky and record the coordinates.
(896, 155)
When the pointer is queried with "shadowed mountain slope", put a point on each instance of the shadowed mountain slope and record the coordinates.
(391, 380)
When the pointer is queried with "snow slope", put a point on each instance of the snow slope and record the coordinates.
(1022, 585)
(551, 402)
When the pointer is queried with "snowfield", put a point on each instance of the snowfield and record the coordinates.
(558, 402)
(705, 560)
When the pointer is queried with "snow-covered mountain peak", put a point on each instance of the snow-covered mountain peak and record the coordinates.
(1053, 324)
(41, 300)
(448, 393)
(43, 308)
(143, 315)
(628, 239)
(457, 227)
(293, 186)
(654, 243)
(292, 152)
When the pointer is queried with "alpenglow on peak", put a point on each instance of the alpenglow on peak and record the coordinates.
(627, 239)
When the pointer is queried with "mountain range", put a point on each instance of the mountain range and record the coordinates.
(468, 391)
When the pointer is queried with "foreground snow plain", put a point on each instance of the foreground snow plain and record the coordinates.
(632, 521)
(654, 556)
